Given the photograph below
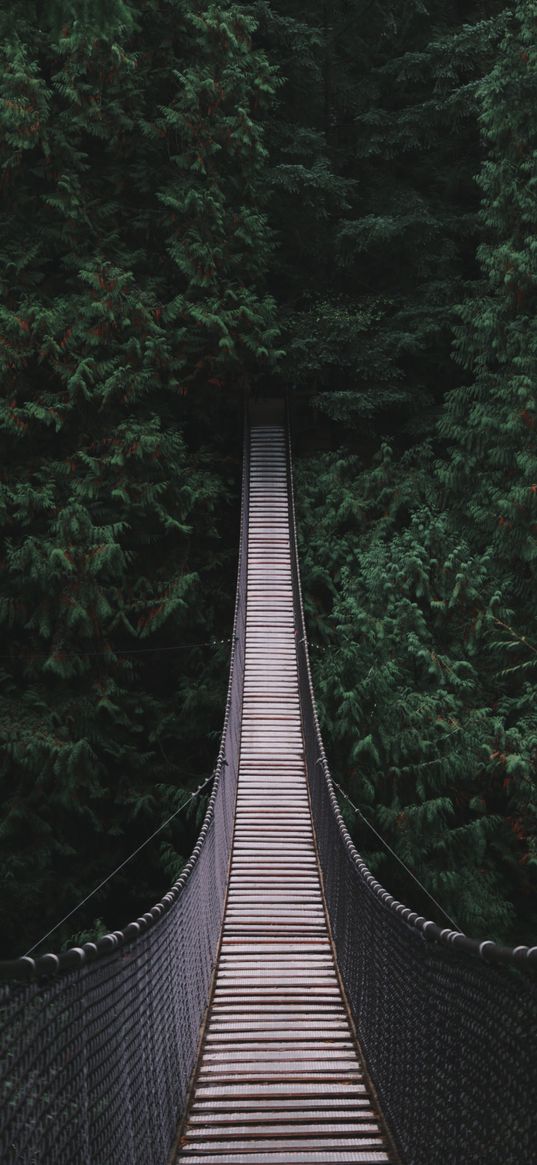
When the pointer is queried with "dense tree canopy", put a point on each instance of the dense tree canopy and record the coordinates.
(421, 575)
(133, 263)
(200, 200)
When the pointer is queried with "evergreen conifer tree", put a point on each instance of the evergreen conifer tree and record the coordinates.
(421, 731)
(418, 573)
(132, 303)
(491, 423)
(373, 150)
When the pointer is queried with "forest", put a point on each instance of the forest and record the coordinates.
(203, 202)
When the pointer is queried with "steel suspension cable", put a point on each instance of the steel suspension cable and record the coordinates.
(400, 861)
(122, 864)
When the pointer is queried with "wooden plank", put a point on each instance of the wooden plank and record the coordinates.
(278, 1089)
(284, 1059)
(244, 1038)
(289, 1157)
(207, 1130)
(337, 1142)
(305, 1108)
(280, 1010)
(326, 1156)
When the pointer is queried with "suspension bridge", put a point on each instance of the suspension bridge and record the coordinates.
(278, 1005)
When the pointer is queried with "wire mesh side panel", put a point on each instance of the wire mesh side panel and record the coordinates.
(450, 1041)
(96, 1063)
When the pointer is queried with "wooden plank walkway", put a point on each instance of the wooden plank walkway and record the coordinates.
(279, 1077)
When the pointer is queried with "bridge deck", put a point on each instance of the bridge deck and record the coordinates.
(279, 1077)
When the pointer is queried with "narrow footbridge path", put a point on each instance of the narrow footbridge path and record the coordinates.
(279, 1077)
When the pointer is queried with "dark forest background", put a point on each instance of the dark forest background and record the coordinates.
(202, 201)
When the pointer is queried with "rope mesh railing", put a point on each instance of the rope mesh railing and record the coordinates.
(449, 1034)
(99, 1043)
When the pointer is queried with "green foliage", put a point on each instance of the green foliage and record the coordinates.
(373, 154)
(105, 19)
(419, 569)
(491, 422)
(132, 305)
(200, 199)
(409, 663)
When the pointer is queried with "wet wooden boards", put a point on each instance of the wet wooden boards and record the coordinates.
(279, 1078)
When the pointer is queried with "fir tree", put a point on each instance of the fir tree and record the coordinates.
(374, 154)
(419, 572)
(491, 423)
(133, 255)
(421, 730)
